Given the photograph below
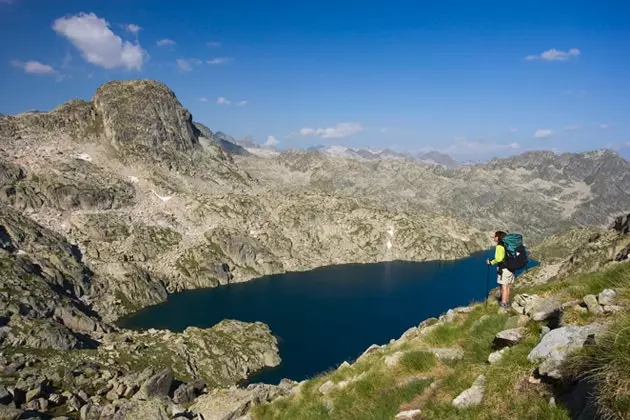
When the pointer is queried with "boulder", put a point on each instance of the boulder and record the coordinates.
(464, 309)
(447, 354)
(186, 393)
(607, 297)
(10, 413)
(156, 386)
(536, 307)
(496, 356)
(327, 387)
(5, 396)
(473, 395)
(75, 403)
(449, 316)
(372, 349)
(154, 409)
(611, 309)
(408, 415)
(393, 359)
(91, 412)
(234, 403)
(554, 347)
(593, 306)
(35, 393)
(509, 337)
(544, 309)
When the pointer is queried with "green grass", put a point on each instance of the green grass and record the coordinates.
(607, 365)
(418, 361)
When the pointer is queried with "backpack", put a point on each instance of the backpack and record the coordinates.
(516, 253)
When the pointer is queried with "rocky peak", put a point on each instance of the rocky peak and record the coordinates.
(144, 115)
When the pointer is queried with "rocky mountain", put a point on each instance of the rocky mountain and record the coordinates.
(109, 205)
(432, 158)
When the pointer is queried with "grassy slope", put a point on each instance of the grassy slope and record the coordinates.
(383, 391)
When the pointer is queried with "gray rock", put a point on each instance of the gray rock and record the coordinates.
(344, 365)
(372, 349)
(464, 309)
(449, 316)
(554, 347)
(509, 337)
(447, 354)
(154, 409)
(593, 306)
(611, 309)
(393, 359)
(91, 412)
(496, 356)
(543, 309)
(327, 387)
(157, 386)
(473, 395)
(10, 413)
(35, 393)
(75, 403)
(233, 403)
(56, 399)
(544, 330)
(570, 304)
(186, 393)
(5, 396)
(607, 297)
(408, 414)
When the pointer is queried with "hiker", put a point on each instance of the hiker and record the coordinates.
(505, 276)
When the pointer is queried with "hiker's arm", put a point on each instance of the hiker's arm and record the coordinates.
(499, 255)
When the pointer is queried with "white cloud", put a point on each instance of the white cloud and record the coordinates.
(34, 67)
(223, 101)
(219, 60)
(203, 99)
(338, 131)
(166, 43)
(573, 127)
(242, 103)
(271, 141)
(98, 44)
(604, 126)
(513, 130)
(579, 92)
(134, 29)
(464, 147)
(213, 44)
(554, 55)
(384, 130)
(187, 65)
(542, 133)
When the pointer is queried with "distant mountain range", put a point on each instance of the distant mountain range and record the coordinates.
(244, 147)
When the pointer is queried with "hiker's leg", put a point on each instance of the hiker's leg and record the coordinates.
(507, 278)
(505, 291)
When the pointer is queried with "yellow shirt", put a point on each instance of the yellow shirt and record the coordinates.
(499, 255)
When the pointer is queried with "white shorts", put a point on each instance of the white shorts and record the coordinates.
(506, 277)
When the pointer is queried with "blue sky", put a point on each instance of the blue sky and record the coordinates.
(474, 79)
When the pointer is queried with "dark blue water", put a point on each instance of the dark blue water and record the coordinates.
(325, 316)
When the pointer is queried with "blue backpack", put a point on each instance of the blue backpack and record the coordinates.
(516, 253)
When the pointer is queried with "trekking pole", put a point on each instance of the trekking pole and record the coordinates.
(487, 284)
